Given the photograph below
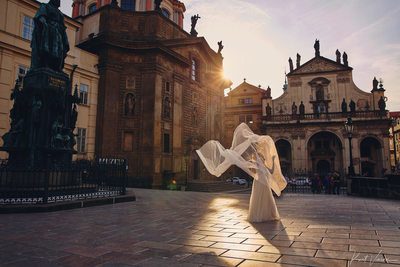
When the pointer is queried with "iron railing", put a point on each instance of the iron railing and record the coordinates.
(327, 116)
(306, 188)
(80, 180)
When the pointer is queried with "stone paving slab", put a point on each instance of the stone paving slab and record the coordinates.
(173, 228)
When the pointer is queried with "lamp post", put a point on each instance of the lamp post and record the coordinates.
(394, 141)
(349, 127)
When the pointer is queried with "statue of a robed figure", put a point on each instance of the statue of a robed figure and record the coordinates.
(44, 113)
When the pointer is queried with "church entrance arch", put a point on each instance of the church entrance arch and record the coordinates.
(284, 149)
(325, 155)
(371, 157)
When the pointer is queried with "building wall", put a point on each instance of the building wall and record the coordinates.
(143, 55)
(15, 51)
(242, 104)
(173, 8)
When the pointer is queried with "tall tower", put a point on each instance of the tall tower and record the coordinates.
(172, 9)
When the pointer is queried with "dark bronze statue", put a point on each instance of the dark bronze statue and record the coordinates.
(375, 84)
(268, 110)
(298, 57)
(352, 106)
(294, 109)
(194, 19)
(220, 47)
(268, 93)
(290, 64)
(382, 104)
(338, 55)
(49, 38)
(44, 113)
(301, 109)
(316, 47)
(345, 62)
(344, 106)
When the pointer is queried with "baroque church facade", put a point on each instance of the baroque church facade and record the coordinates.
(161, 90)
(307, 120)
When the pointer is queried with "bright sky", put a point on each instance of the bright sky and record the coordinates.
(260, 35)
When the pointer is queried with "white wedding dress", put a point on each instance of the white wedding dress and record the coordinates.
(257, 156)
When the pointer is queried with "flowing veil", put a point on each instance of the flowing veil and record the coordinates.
(254, 154)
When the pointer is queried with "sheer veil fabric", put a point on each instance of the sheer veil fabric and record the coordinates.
(257, 156)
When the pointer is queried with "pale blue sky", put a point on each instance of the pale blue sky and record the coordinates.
(260, 35)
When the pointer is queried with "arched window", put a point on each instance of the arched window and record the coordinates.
(165, 13)
(92, 8)
(128, 4)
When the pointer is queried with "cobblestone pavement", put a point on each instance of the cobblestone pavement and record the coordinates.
(171, 228)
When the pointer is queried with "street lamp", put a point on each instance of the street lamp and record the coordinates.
(348, 125)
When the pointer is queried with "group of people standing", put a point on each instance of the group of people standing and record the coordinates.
(330, 183)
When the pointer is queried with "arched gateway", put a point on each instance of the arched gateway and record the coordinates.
(324, 151)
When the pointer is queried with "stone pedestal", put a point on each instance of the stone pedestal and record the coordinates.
(42, 121)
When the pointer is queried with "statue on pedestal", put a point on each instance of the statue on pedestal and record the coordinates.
(298, 57)
(290, 64)
(220, 47)
(194, 19)
(352, 106)
(344, 106)
(316, 47)
(42, 117)
(345, 62)
(338, 56)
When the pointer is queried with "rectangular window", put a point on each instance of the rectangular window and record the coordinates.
(249, 101)
(128, 4)
(241, 101)
(81, 140)
(193, 70)
(83, 93)
(92, 8)
(21, 73)
(166, 143)
(27, 28)
(242, 118)
(128, 141)
(167, 86)
(143, 5)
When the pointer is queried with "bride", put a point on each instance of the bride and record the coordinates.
(257, 156)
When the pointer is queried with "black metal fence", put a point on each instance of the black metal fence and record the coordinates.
(306, 188)
(80, 180)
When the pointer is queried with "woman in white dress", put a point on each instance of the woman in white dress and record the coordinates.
(257, 156)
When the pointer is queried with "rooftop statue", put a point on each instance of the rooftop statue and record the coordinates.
(49, 39)
(220, 47)
(345, 62)
(298, 57)
(290, 64)
(338, 56)
(194, 19)
(374, 84)
(316, 47)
